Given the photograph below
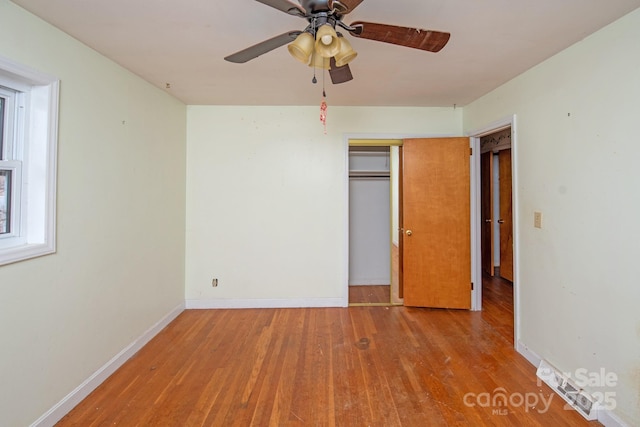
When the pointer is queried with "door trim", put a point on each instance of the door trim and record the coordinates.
(476, 249)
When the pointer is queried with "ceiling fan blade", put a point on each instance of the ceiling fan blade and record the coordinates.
(431, 41)
(262, 47)
(344, 6)
(285, 6)
(339, 74)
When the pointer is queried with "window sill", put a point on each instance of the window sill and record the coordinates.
(24, 252)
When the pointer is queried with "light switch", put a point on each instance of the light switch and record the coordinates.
(537, 219)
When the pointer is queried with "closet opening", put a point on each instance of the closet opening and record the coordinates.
(373, 218)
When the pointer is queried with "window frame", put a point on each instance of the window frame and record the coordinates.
(11, 155)
(30, 153)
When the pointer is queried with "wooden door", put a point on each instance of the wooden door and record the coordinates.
(506, 218)
(437, 225)
(486, 202)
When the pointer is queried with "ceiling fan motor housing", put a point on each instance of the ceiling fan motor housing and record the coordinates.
(314, 6)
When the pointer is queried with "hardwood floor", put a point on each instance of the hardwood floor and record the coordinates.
(357, 366)
(369, 294)
(497, 305)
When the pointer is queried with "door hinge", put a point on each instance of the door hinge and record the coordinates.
(471, 151)
(471, 285)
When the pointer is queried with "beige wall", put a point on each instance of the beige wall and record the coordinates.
(119, 267)
(267, 194)
(576, 162)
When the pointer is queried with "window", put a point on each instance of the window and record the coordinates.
(9, 164)
(5, 180)
(28, 141)
(5, 201)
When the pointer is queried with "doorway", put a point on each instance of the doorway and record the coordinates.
(430, 260)
(373, 216)
(495, 236)
(496, 204)
(369, 224)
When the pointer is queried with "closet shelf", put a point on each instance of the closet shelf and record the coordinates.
(369, 174)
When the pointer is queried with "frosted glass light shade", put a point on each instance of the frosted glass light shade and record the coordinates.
(318, 61)
(327, 41)
(302, 47)
(346, 53)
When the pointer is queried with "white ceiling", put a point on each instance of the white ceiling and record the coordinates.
(183, 43)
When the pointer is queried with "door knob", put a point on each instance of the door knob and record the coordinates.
(409, 232)
(487, 220)
(501, 221)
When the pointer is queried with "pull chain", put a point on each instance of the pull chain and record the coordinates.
(323, 106)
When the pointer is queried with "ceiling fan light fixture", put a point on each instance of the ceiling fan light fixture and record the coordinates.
(346, 53)
(327, 41)
(319, 45)
(302, 47)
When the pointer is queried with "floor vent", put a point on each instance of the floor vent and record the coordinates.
(575, 397)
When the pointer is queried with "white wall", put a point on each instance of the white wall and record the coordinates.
(577, 162)
(369, 161)
(267, 199)
(395, 195)
(369, 231)
(369, 220)
(119, 267)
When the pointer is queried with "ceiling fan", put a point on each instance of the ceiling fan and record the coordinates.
(320, 45)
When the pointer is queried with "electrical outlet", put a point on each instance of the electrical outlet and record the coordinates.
(537, 219)
(214, 283)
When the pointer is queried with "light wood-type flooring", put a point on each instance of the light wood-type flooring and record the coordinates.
(369, 294)
(356, 366)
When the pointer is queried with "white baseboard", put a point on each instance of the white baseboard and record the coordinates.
(605, 417)
(528, 354)
(608, 419)
(53, 415)
(266, 303)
